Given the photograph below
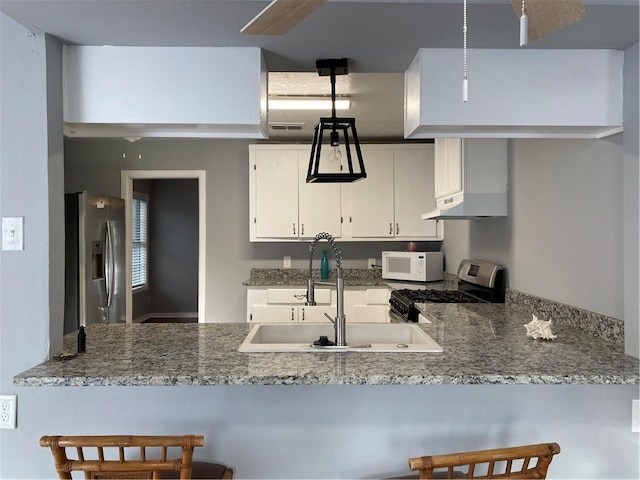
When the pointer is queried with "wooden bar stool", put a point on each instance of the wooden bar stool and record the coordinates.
(510, 462)
(128, 456)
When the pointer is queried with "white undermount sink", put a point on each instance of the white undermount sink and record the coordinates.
(361, 337)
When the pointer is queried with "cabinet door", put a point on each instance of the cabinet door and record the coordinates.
(315, 314)
(273, 314)
(414, 192)
(370, 314)
(448, 166)
(370, 204)
(319, 203)
(276, 193)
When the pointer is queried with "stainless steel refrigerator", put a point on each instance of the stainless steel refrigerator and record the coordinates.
(94, 260)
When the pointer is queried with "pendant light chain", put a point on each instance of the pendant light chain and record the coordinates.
(465, 80)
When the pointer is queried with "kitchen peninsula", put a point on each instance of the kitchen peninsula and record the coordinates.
(483, 344)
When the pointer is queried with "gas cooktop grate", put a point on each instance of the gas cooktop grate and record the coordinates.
(437, 296)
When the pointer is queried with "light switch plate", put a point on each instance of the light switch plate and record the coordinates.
(12, 233)
(635, 416)
(286, 263)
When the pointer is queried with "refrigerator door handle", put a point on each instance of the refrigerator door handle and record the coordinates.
(109, 266)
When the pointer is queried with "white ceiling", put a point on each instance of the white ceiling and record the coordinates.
(378, 37)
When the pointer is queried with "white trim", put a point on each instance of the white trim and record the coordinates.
(126, 188)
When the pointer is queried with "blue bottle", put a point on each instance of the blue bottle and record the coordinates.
(324, 266)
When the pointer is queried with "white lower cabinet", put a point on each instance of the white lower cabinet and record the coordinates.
(286, 305)
(278, 305)
(367, 305)
(290, 314)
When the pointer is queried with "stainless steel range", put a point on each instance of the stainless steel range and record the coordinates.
(477, 282)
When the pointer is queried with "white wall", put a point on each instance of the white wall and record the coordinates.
(276, 432)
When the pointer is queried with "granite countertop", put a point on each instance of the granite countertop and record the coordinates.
(297, 277)
(483, 344)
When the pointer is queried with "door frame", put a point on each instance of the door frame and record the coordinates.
(126, 187)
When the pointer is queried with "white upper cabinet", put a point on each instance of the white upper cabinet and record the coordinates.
(413, 170)
(116, 91)
(319, 203)
(282, 205)
(387, 205)
(369, 202)
(274, 178)
(448, 167)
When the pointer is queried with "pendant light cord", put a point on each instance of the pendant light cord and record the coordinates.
(333, 99)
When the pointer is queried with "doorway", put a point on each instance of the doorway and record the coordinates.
(127, 178)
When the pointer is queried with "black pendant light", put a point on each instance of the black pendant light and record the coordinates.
(334, 131)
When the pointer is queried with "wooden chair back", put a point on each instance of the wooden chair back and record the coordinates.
(128, 457)
(511, 462)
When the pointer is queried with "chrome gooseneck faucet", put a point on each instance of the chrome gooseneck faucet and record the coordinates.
(339, 323)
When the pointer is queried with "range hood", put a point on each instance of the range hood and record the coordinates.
(471, 179)
(470, 207)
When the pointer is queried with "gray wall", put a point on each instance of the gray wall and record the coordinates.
(631, 209)
(562, 239)
(230, 255)
(572, 230)
(279, 431)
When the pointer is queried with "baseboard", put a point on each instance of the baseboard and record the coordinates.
(165, 315)
(173, 315)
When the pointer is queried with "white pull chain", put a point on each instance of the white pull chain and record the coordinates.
(465, 80)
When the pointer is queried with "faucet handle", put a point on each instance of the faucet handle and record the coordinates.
(329, 317)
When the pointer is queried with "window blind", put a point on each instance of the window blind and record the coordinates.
(139, 263)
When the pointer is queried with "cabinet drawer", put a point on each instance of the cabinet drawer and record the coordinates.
(296, 295)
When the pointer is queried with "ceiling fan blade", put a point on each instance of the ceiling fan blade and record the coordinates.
(280, 16)
(547, 16)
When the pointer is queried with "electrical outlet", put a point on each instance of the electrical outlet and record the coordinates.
(635, 416)
(371, 263)
(8, 411)
(286, 262)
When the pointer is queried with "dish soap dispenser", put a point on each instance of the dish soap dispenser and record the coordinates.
(324, 266)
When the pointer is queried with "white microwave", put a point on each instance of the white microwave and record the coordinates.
(413, 266)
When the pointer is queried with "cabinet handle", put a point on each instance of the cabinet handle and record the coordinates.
(303, 314)
(294, 228)
(302, 229)
(397, 229)
(292, 316)
(390, 228)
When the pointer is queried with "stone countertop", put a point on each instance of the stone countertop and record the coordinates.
(483, 344)
(296, 277)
